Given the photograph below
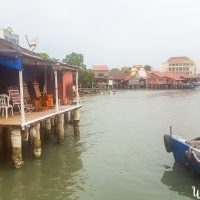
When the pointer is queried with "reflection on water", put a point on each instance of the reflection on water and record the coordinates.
(180, 180)
(57, 175)
(120, 153)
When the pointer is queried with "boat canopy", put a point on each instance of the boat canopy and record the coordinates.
(11, 59)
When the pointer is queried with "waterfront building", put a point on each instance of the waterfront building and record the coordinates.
(127, 84)
(9, 35)
(101, 75)
(135, 68)
(138, 80)
(40, 93)
(180, 65)
(160, 80)
(116, 79)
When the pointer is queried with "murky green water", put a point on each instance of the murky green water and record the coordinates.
(119, 155)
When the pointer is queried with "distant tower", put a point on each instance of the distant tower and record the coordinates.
(9, 35)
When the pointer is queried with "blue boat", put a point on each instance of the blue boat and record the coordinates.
(185, 152)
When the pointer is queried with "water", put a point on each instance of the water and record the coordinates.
(119, 155)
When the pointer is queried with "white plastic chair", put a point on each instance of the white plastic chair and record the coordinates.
(5, 105)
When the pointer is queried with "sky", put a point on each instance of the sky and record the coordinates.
(116, 33)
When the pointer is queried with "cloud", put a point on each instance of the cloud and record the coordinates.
(112, 32)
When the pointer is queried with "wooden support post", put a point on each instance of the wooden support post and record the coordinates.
(36, 140)
(45, 81)
(72, 117)
(60, 136)
(66, 118)
(52, 123)
(42, 124)
(69, 117)
(25, 136)
(76, 121)
(16, 147)
(6, 139)
(56, 125)
(48, 128)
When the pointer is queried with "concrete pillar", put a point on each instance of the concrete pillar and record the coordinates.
(60, 136)
(6, 139)
(48, 128)
(16, 147)
(76, 121)
(36, 140)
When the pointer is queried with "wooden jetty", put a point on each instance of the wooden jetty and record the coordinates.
(96, 90)
(51, 99)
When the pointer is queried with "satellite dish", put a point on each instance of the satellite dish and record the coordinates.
(32, 42)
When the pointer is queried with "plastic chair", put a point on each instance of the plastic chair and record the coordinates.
(5, 105)
(16, 99)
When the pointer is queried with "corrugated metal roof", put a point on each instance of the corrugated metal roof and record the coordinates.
(29, 56)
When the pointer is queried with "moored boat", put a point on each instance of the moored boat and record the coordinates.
(185, 152)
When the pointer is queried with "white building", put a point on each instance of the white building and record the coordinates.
(138, 79)
(9, 35)
(180, 65)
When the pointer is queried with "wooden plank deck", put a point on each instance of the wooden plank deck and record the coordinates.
(34, 116)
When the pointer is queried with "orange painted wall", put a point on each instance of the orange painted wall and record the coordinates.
(66, 87)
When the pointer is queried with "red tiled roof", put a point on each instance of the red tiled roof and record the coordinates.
(127, 78)
(178, 59)
(157, 73)
(174, 76)
(177, 77)
(100, 68)
(118, 75)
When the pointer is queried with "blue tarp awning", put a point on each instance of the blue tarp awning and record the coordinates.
(11, 59)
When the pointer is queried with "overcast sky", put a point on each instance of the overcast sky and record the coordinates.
(112, 32)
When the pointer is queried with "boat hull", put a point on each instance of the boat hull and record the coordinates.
(179, 148)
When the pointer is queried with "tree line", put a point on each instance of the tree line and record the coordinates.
(86, 76)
